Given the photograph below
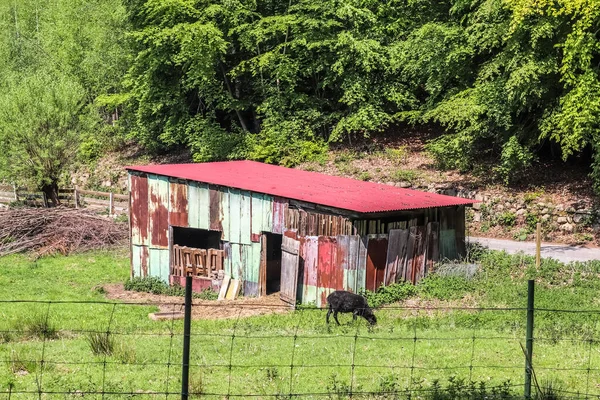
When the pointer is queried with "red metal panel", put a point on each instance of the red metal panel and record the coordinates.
(279, 206)
(291, 234)
(376, 261)
(198, 284)
(178, 204)
(159, 213)
(313, 187)
(215, 210)
(324, 263)
(330, 273)
(255, 237)
(139, 209)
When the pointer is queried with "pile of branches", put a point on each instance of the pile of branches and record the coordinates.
(45, 231)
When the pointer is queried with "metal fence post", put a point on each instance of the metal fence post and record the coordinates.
(529, 339)
(185, 364)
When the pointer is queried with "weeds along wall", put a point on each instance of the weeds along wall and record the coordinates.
(72, 349)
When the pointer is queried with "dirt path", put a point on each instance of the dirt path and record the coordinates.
(560, 252)
(202, 309)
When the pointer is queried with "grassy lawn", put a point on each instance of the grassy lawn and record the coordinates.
(271, 355)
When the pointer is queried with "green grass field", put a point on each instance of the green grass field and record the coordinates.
(271, 356)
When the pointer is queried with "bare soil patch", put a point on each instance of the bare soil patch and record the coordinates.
(202, 309)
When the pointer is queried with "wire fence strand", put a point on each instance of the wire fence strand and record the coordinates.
(250, 357)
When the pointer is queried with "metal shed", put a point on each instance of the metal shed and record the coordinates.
(301, 233)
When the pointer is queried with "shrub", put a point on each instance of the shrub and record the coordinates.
(101, 343)
(507, 219)
(396, 155)
(388, 294)
(404, 175)
(41, 327)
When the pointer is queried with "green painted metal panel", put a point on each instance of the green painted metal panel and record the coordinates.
(198, 206)
(309, 295)
(267, 213)
(236, 260)
(350, 280)
(225, 215)
(252, 262)
(257, 213)
(448, 244)
(235, 225)
(159, 264)
(136, 261)
(158, 191)
(245, 217)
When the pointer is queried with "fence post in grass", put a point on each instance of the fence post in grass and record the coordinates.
(529, 338)
(111, 204)
(185, 364)
(538, 245)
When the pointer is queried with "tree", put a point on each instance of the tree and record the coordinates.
(41, 121)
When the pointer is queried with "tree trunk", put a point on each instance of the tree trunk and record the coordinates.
(51, 192)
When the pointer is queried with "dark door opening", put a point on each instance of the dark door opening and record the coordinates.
(197, 238)
(273, 261)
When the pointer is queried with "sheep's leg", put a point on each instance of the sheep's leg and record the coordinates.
(354, 314)
(328, 313)
(335, 317)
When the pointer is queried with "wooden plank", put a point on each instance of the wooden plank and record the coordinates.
(433, 251)
(290, 250)
(245, 218)
(419, 255)
(224, 287)
(410, 252)
(262, 280)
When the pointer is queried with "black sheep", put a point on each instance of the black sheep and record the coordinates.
(345, 302)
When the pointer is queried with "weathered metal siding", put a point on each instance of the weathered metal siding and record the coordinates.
(178, 204)
(329, 263)
(198, 206)
(159, 263)
(158, 192)
(376, 261)
(139, 218)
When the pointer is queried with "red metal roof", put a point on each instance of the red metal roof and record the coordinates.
(313, 187)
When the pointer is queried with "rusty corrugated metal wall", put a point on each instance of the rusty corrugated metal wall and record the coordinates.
(241, 216)
(328, 261)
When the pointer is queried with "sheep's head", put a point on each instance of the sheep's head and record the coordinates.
(369, 316)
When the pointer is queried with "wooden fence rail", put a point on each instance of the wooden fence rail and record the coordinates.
(70, 197)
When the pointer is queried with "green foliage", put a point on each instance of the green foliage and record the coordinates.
(507, 219)
(445, 287)
(389, 294)
(531, 220)
(397, 155)
(513, 159)
(38, 326)
(404, 175)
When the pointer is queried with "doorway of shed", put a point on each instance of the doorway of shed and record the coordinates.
(196, 238)
(272, 262)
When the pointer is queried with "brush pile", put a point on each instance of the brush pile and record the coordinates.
(45, 231)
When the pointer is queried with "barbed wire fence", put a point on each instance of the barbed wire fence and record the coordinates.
(110, 350)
